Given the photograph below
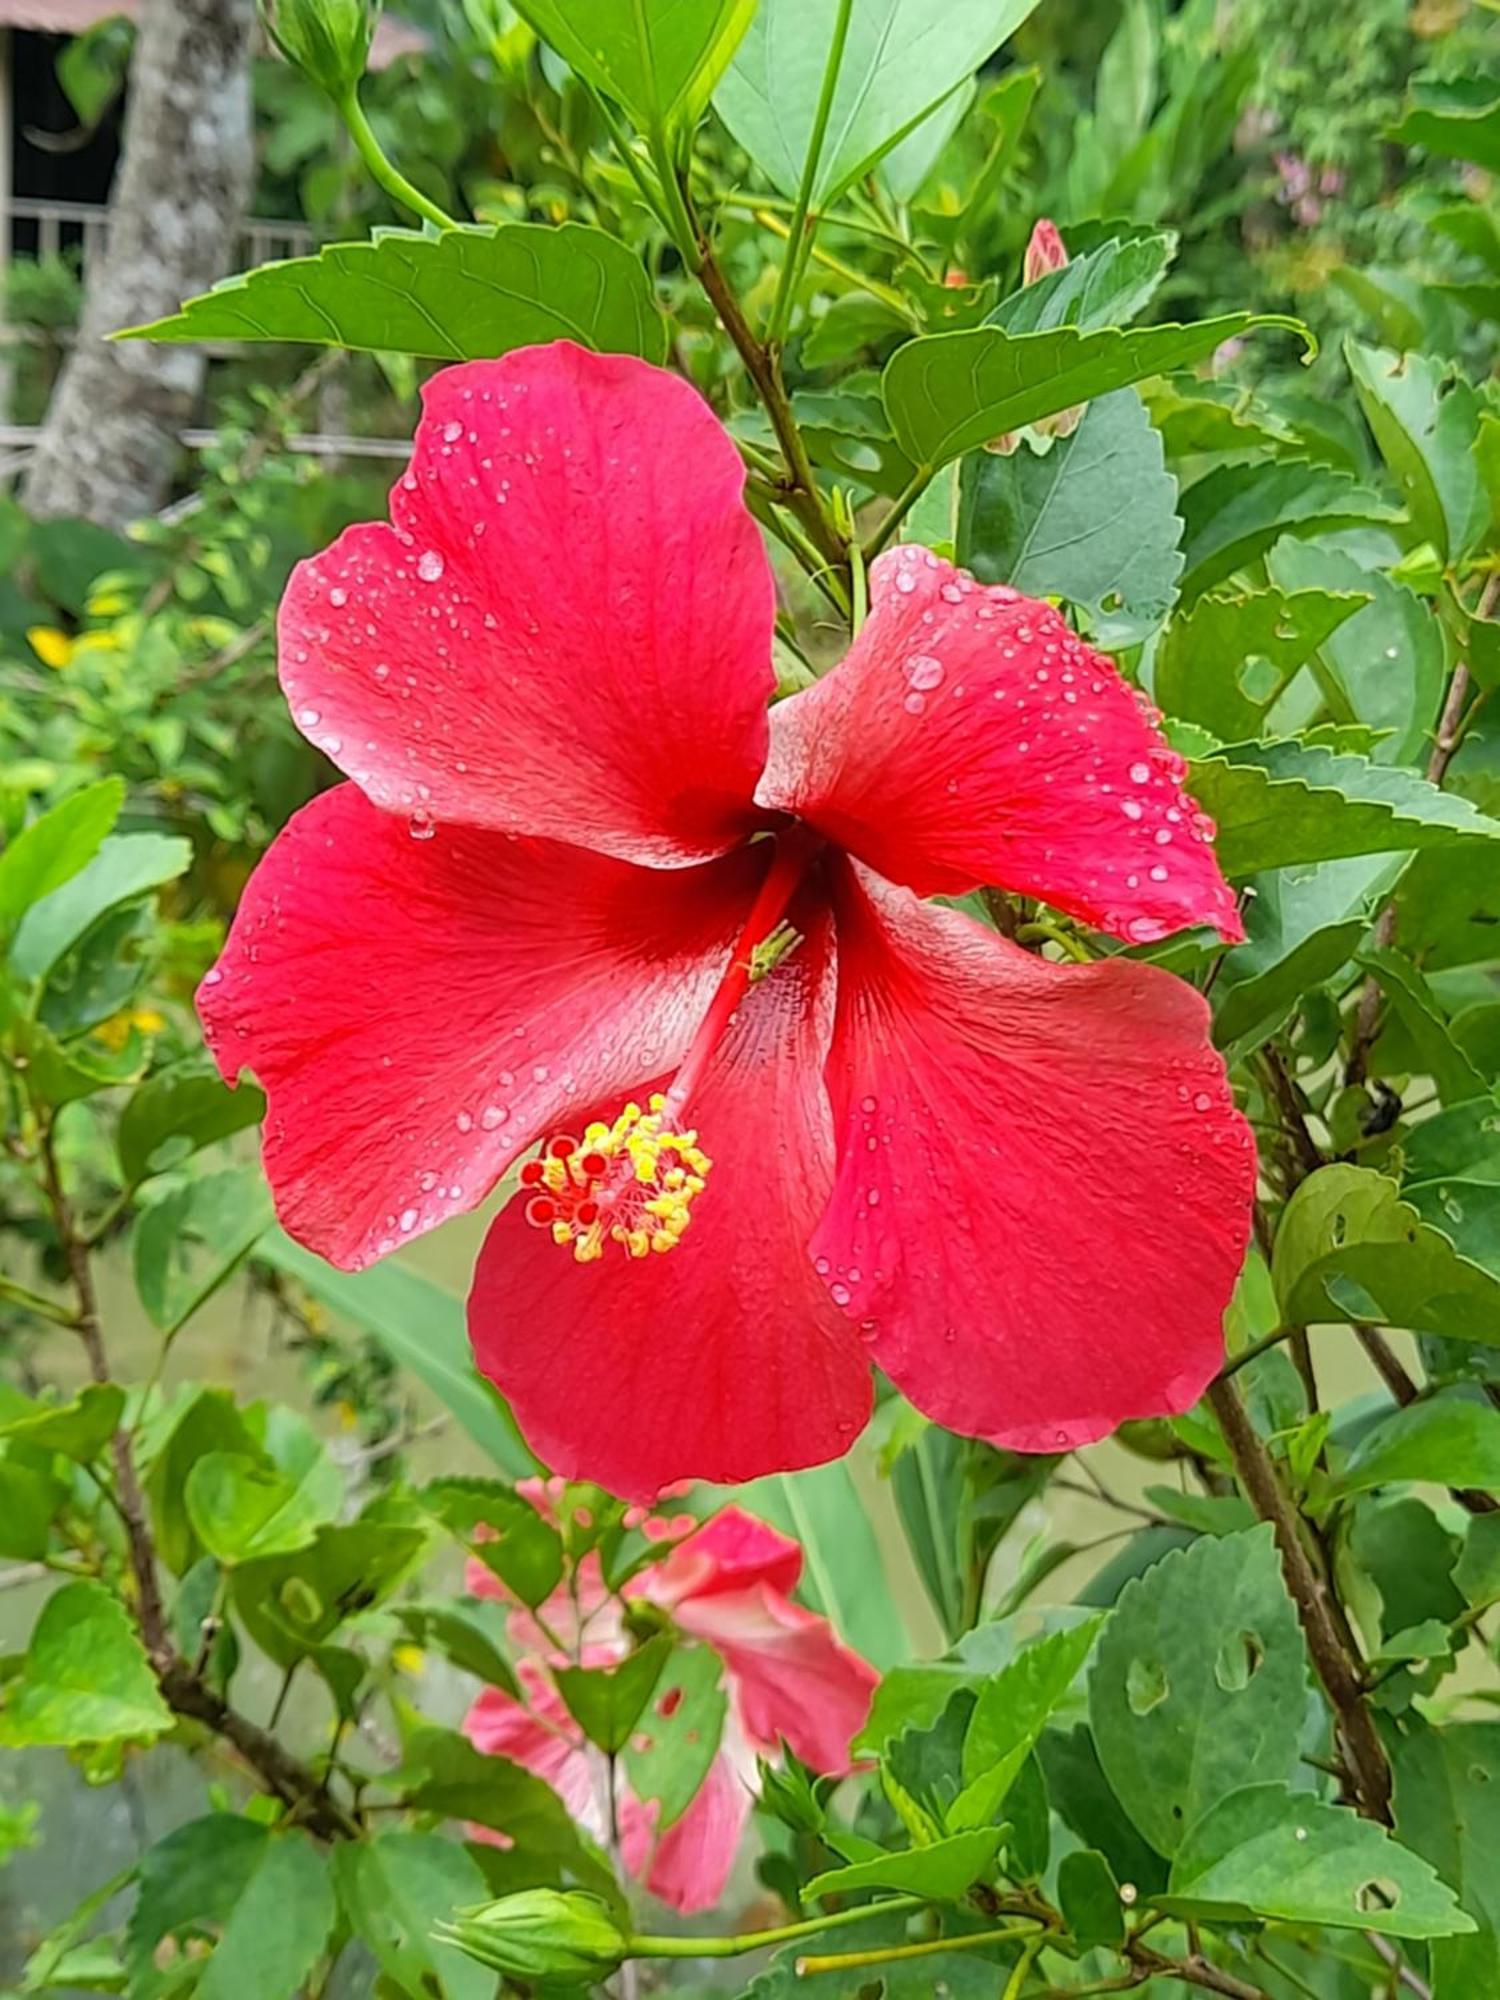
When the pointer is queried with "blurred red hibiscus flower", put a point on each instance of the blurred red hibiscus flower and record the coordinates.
(587, 888)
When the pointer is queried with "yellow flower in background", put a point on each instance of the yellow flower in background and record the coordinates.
(409, 1659)
(52, 647)
(115, 1032)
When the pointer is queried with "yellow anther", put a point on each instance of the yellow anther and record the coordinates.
(631, 1183)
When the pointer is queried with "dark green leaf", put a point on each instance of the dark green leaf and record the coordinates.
(473, 1637)
(503, 1531)
(184, 1246)
(1448, 1810)
(669, 1755)
(178, 1110)
(1457, 118)
(1232, 515)
(1012, 1711)
(125, 866)
(1105, 286)
(607, 1702)
(394, 1891)
(463, 296)
(1089, 1897)
(1425, 423)
(1224, 662)
(1413, 1003)
(1448, 1441)
(292, 1604)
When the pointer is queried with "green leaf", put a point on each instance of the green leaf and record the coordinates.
(1089, 1897)
(85, 1679)
(1092, 520)
(203, 1421)
(472, 1636)
(53, 848)
(1232, 515)
(1477, 1571)
(292, 1604)
(669, 1755)
(1425, 422)
(278, 1927)
(125, 866)
(79, 1429)
(194, 1876)
(1448, 1810)
(945, 1871)
(178, 1110)
(659, 59)
(1349, 1248)
(1386, 661)
(1224, 661)
(950, 392)
(607, 1702)
(1199, 1683)
(421, 1326)
(186, 1245)
(1457, 118)
(1010, 1715)
(1267, 1851)
(900, 60)
(240, 1508)
(394, 1891)
(1106, 286)
(1448, 1441)
(29, 1499)
(463, 296)
(1412, 1001)
(1280, 804)
(520, 1546)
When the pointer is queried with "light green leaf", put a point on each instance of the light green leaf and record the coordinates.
(293, 1604)
(79, 1429)
(463, 296)
(1199, 1683)
(669, 1755)
(900, 60)
(1349, 1248)
(184, 1246)
(1013, 1709)
(945, 1871)
(394, 1891)
(659, 59)
(606, 1702)
(1232, 515)
(1284, 803)
(86, 1677)
(125, 866)
(949, 392)
(1448, 1441)
(1267, 1851)
(1425, 422)
(1092, 520)
(1223, 662)
(240, 1508)
(44, 855)
(1457, 118)
(1106, 286)
(177, 1111)
(422, 1327)
(29, 1498)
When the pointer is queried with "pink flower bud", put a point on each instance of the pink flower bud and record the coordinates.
(1045, 252)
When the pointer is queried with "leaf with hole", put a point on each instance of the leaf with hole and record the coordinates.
(676, 1740)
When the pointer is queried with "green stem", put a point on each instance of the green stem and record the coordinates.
(679, 222)
(791, 264)
(1039, 931)
(382, 171)
(1256, 1348)
(901, 506)
(852, 1961)
(33, 1302)
(737, 1946)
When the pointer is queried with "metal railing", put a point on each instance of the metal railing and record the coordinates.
(42, 229)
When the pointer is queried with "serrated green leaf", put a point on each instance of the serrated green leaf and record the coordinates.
(900, 61)
(1425, 422)
(85, 1678)
(1198, 1683)
(1448, 1441)
(1224, 661)
(394, 1891)
(1284, 803)
(1012, 1710)
(658, 59)
(465, 295)
(950, 392)
(1092, 520)
(44, 855)
(1266, 1851)
(1413, 1003)
(607, 1702)
(278, 1927)
(945, 1871)
(1232, 515)
(1105, 286)
(1349, 1248)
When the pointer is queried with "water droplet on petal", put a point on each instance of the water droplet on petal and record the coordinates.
(924, 672)
(1140, 774)
(429, 565)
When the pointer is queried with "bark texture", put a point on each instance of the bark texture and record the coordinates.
(109, 443)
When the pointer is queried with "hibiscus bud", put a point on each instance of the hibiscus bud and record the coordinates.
(552, 1934)
(1045, 252)
(328, 40)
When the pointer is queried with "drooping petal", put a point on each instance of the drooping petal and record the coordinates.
(540, 1735)
(721, 1358)
(565, 630)
(789, 1674)
(420, 1011)
(1044, 1189)
(970, 737)
(732, 1552)
(689, 1866)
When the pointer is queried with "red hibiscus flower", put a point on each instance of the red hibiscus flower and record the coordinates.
(788, 1678)
(584, 889)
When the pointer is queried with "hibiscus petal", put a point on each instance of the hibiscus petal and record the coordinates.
(541, 1736)
(789, 1674)
(970, 737)
(689, 1867)
(1044, 1189)
(722, 1358)
(565, 630)
(729, 1553)
(421, 1011)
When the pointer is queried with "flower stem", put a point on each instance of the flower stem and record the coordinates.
(851, 1961)
(383, 171)
(803, 221)
(746, 1941)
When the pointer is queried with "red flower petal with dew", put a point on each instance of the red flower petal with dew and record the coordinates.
(421, 1011)
(789, 1674)
(969, 737)
(722, 1358)
(565, 630)
(1044, 1189)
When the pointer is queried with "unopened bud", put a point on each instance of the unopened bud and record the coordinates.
(553, 1934)
(328, 40)
(1045, 252)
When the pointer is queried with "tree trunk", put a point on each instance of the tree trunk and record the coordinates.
(109, 443)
